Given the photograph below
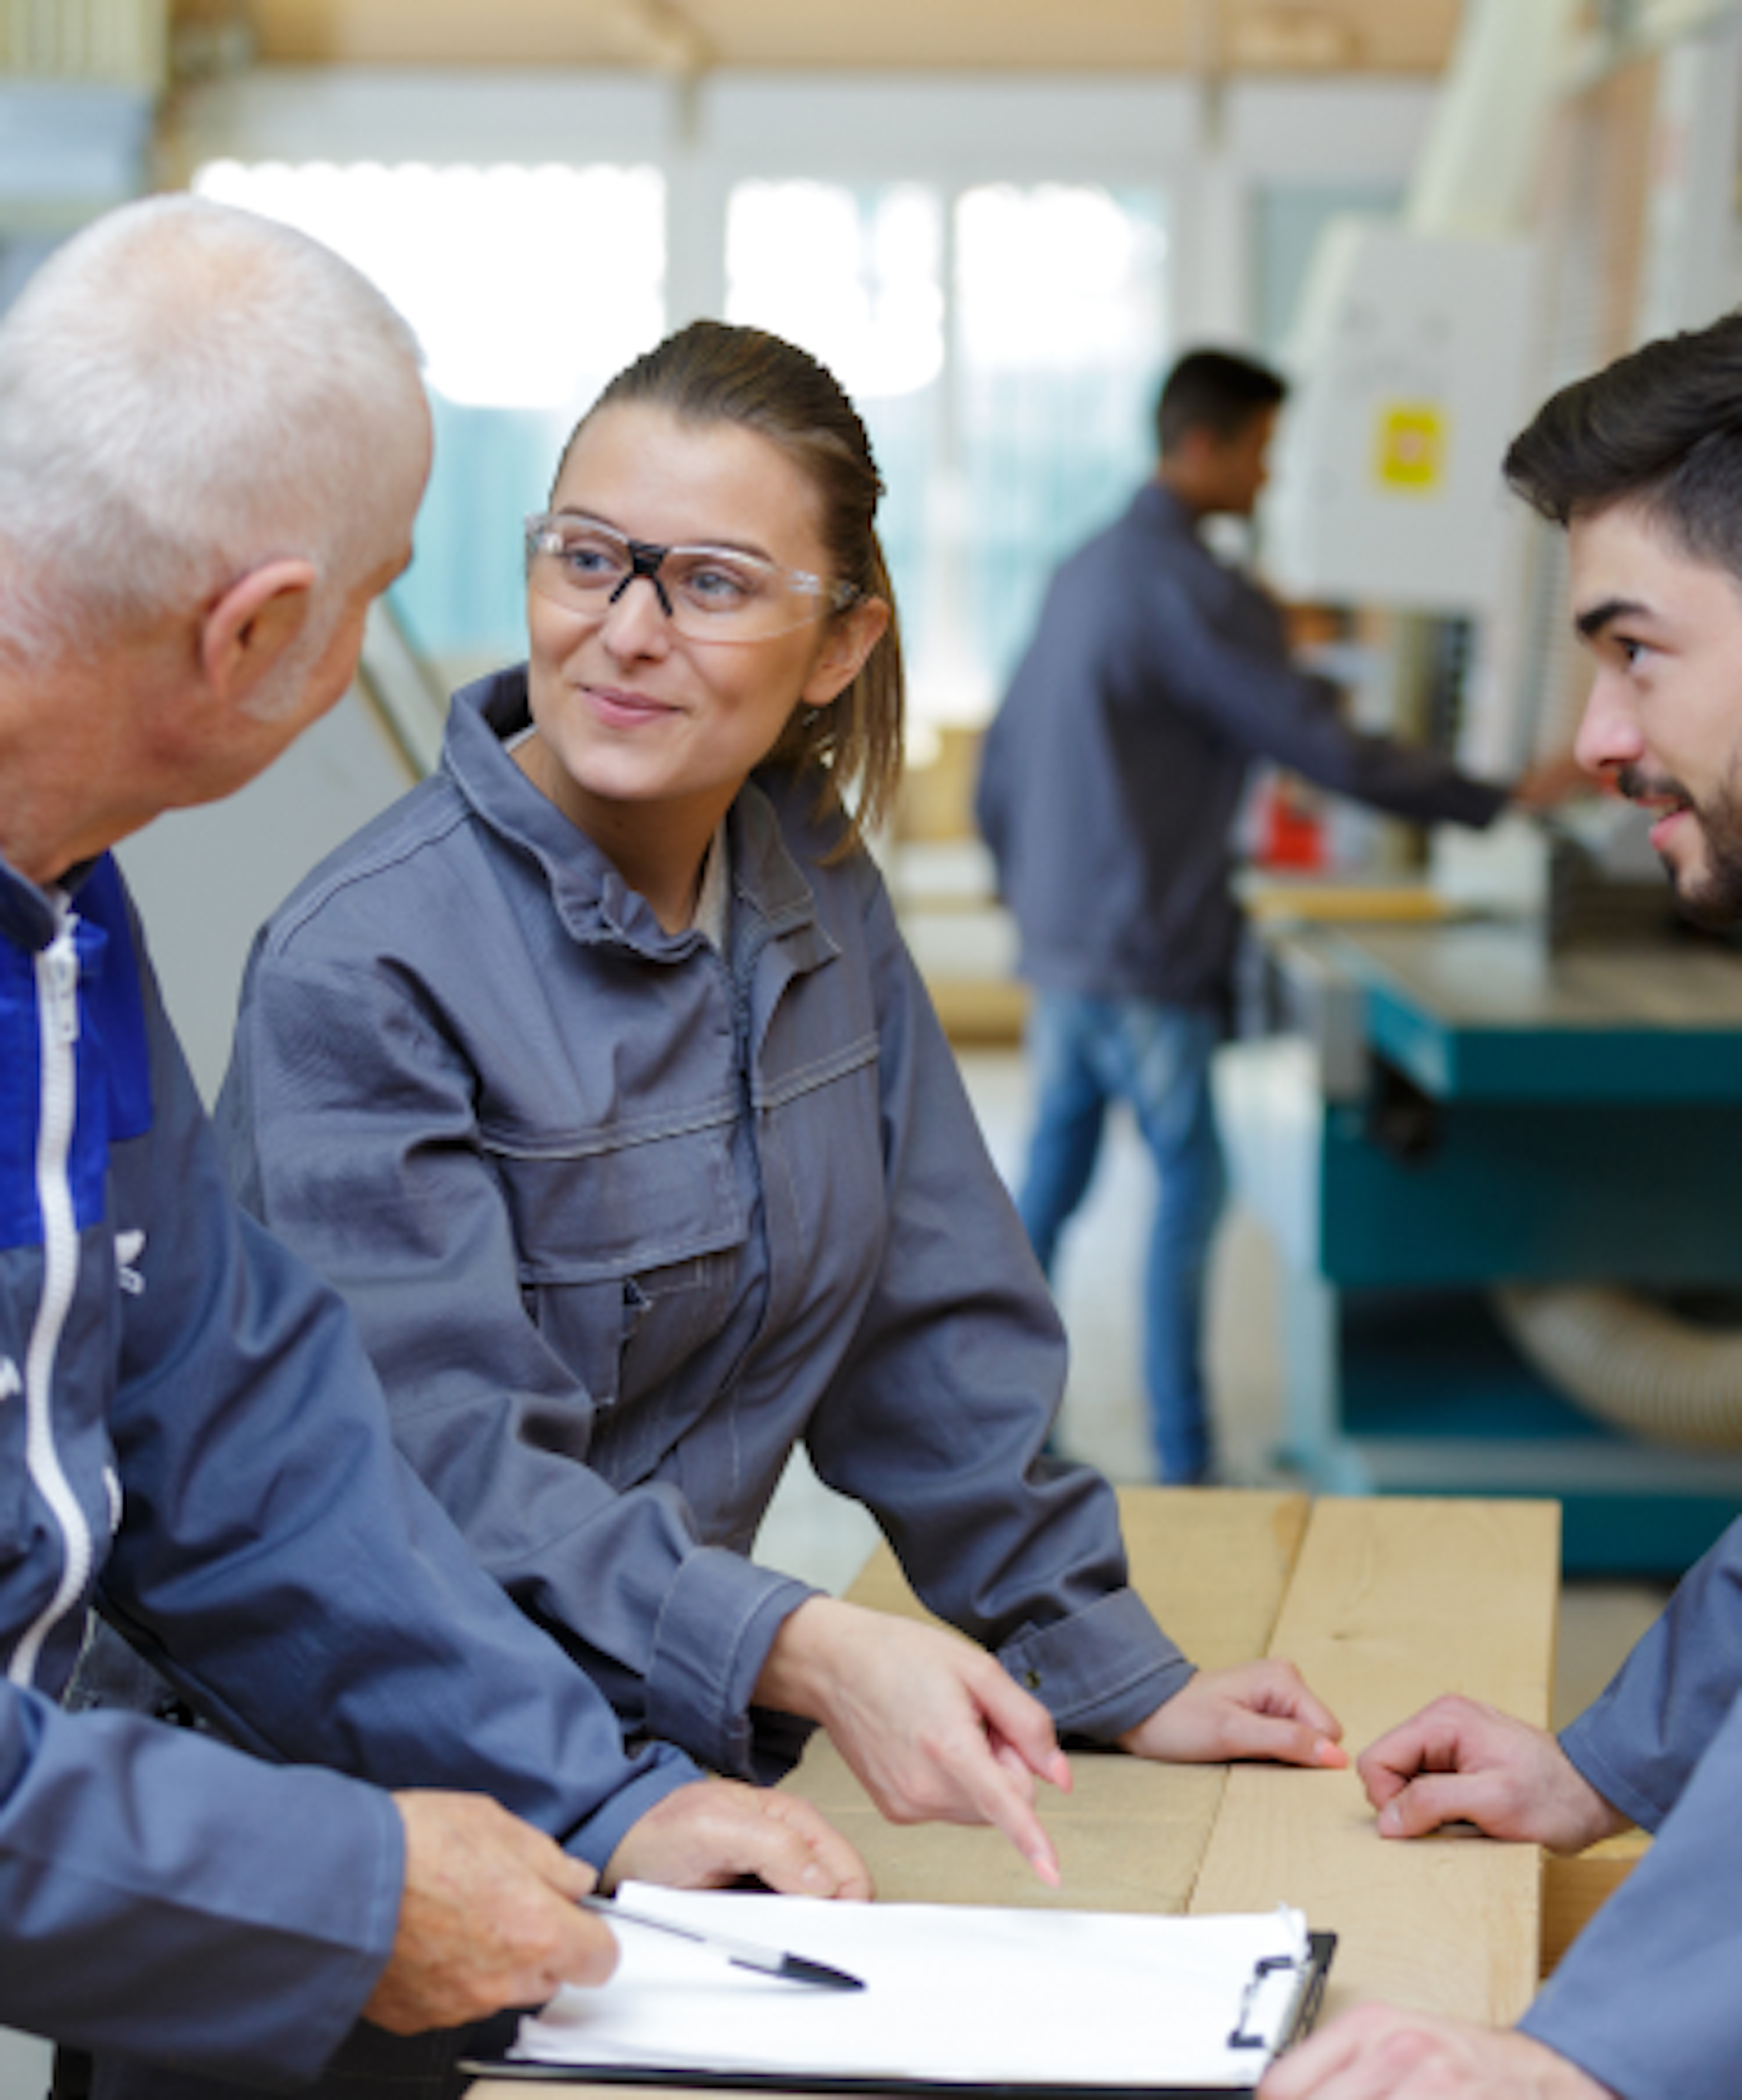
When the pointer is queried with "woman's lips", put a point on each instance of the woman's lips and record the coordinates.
(622, 709)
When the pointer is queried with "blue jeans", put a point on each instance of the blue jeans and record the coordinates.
(1088, 1052)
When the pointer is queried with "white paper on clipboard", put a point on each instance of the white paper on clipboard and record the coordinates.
(953, 1994)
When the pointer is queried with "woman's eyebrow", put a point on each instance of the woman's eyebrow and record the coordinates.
(717, 542)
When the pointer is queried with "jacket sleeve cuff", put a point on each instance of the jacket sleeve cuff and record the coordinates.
(1582, 1743)
(663, 1770)
(1101, 1671)
(715, 1629)
(323, 2027)
(1645, 1999)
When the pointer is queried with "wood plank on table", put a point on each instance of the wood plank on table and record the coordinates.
(1576, 1888)
(1210, 1563)
(1393, 1601)
(1213, 1565)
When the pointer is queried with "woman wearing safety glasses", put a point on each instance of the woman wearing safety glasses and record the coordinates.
(596, 1075)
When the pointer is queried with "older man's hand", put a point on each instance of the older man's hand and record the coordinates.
(487, 1917)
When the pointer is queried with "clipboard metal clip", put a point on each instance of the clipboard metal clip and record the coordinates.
(1269, 1965)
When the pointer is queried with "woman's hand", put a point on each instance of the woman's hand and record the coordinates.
(713, 1834)
(1257, 1710)
(933, 1727)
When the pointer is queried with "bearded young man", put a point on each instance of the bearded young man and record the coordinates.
(1642, 465)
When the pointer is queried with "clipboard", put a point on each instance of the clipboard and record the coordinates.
(1309, 1991)
(700, 2036)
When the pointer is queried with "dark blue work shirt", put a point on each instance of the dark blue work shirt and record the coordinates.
(1111, 777)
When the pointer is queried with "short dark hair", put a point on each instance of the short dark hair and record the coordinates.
(1216, 390)
(1661, 427)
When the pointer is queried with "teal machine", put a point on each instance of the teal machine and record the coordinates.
(1502, 1172)
(1457, 1131)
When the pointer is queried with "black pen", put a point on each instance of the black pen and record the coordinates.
(767, 1961)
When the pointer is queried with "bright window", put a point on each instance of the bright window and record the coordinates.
(499, 271)
(1060, 338)
(1003, 343)
(1004, 346)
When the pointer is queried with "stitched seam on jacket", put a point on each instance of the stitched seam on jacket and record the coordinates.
(620, 1137)
(806, 1079)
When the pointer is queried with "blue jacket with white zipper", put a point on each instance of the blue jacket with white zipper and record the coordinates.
(192, 1439)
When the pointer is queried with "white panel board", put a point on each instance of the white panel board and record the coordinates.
(1411, 358)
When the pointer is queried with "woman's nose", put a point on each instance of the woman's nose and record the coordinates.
(636, 623)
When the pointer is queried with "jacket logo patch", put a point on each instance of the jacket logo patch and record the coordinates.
(10, 1381)
(128, 1246)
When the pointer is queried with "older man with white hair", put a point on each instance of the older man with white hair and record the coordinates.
(213, 439)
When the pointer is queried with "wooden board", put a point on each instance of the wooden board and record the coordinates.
(1393, 1601)
(1574, 1890)
(1212, 1565)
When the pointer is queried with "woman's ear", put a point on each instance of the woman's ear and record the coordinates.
(846, 643)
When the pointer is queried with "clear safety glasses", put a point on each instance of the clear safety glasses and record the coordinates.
(708, 593)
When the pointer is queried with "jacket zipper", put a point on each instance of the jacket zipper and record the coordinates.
(57, 1004)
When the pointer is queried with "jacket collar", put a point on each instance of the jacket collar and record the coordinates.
(1157, 505)
(591, 897)
(29, 916)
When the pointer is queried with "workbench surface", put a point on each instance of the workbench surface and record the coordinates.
(1383, 1602)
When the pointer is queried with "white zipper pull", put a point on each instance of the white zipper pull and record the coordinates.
(62, 959)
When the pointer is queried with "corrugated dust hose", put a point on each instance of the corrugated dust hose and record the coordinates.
(1634, 1362)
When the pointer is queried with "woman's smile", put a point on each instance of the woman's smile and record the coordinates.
(619, 707)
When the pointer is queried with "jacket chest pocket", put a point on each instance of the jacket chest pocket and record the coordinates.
(629, 1260)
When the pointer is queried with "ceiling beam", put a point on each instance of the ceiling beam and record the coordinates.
(693, 36)
(666, 35)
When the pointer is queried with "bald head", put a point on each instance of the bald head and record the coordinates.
(187, 391)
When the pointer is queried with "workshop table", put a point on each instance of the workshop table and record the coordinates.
(1383, 1602)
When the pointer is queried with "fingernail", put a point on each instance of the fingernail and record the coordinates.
(1391, 1819)
(1331, 1753)
(1044, 1867)
(813, 1877)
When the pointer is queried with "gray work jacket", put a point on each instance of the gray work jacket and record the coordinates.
(1111, 775)
(624, 1221)
(1646, 2000)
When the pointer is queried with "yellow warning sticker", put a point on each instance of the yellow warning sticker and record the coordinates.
(1411, 451)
